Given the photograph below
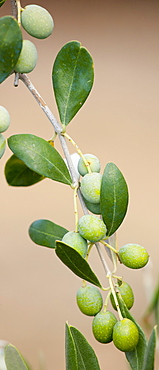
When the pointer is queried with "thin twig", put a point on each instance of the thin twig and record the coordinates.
(14, 8)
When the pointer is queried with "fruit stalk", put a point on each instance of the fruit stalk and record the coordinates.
(78, 151)
(114, 296)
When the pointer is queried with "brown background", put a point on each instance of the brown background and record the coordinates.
(119, 123)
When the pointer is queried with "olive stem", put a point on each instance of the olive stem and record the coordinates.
(106, 268)
(14, 9)
(106, 301)
(75, 208)
(109, 246)
(78, 151)
(57, 127)
(18, 11)
(114, 296)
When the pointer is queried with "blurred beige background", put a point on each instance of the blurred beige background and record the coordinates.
(119, 123)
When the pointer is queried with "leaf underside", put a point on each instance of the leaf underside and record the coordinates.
(18, 174)
(13, 359)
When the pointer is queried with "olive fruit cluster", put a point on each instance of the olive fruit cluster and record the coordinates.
(38, 23)
(105, 326)
(4, 124)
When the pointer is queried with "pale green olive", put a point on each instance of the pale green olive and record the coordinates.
(89, 300)
(37, 21)
(4, 119)
(90, 187)
(27, 59)
(93, 162)
(76, 241)
(92, 228)
(133, 256)
(102, 326)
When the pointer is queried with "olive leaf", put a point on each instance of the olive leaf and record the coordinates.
(45, 233)
(18, 174)
(114, 198)
(150, 351)
(76, 263)
(79, 354)
(14, 359)
(40, 157)
(10, 45)
(72, 78)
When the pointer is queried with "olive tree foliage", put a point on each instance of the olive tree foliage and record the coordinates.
(103, 197)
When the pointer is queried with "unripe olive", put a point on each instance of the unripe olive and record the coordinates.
(89, 300)
(90, 187)
(27, 59)
(102, 326)
(126, 294)
(93, 162)
(133, 255)
(76, 241)
(37, 21)
(92, 228)
(2, 145)
(4, 119)
(125, 335)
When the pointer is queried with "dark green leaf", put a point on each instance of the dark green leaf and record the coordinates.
(18, 174)
(45, 233)
(136, 357)
(40, 157)
(86, 356)
(10, 45)
(150, 352)
(114, 197)
(70, 350)
(2, 2)
(13, 359)
(72, 77)
(77, 264)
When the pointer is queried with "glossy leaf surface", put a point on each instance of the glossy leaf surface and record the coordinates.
(77, 264)
(18, 174)
(136, 357)
(40, 157)
(150, 352)
(70, 350)
(86, 357)
(72, 77)
(114, 197)
(13, 359)
(45, 233)
(10, 45)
